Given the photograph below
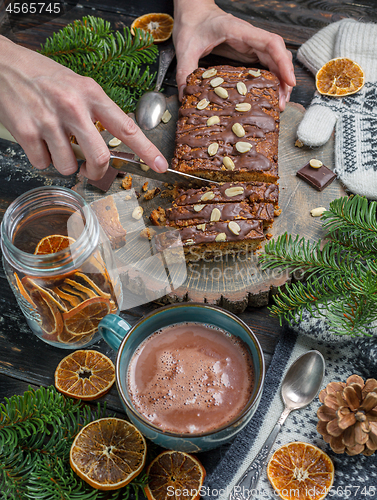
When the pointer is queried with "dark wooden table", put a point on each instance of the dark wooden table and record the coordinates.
(25, 360)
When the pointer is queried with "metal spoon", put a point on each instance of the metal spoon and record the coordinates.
(152, 105)
(300, 386)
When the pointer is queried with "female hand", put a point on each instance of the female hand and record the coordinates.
(200, 27)
(42, 104)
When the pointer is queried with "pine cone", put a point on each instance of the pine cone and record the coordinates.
(348, 417)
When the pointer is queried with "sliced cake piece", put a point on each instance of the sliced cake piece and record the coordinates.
(227, 192)
(206, 241)
(191, 215)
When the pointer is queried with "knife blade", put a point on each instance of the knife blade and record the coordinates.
(133, 166)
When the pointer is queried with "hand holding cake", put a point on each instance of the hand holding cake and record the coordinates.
(200, 27)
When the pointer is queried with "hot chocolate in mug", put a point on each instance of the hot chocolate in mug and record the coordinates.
(190, 376)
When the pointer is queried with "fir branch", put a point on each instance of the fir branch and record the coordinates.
(340, 278)
(299, 296)
(352, 221)
(36, 433)
(116, 61)
(300, 255)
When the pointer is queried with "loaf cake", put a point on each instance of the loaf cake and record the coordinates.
(227, 131)
(228, 125)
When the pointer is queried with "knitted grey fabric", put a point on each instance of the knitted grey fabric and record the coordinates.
(354, 116)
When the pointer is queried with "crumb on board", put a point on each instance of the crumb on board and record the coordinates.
(145, 186)
(268, 236)
(277, 211)
(158, 217)
(147, 233)
(166, 193)
(127, 183)
(151, 193)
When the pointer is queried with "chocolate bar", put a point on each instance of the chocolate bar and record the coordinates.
(318, 178)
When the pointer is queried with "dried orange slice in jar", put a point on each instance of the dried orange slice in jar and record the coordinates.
(108, 453)
(53, 244)
(171, 471)
(85, 375)
(340, 77)
(159, 25)
(84, 318)
(48, 294)
(300, 471)
(51, 318)
(22, 290)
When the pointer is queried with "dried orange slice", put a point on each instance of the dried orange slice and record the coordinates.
(300, 471)
(93, 285)
(48, 294)
(52, 244)
(69, 299)
(85, 375)
(108, 453)
(51, 317)
(23, 291)
(84, 318)
(340, 77)
(79, 340)
(171, 471)
(159, 25)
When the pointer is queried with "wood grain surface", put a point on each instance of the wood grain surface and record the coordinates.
(24, 359)
(231, 282)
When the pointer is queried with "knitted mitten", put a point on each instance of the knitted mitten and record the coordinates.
(354, 116)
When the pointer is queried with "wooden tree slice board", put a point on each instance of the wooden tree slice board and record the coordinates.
(235, 283)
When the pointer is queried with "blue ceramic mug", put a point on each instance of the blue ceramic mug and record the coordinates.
(126, 339)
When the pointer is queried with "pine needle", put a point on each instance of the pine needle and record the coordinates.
(340, 278)
(119, 62)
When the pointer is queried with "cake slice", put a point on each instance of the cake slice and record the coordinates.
(207, 241)
(191, 215)
(227, 192)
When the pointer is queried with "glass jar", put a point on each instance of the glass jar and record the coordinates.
(60, 266)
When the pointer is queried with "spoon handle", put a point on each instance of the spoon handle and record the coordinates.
(166, 57)
(246, 486)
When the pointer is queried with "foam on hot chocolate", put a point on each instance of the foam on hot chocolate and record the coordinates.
(191, 378)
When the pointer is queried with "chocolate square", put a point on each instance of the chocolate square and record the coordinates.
(106, 181)
(319, 178)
